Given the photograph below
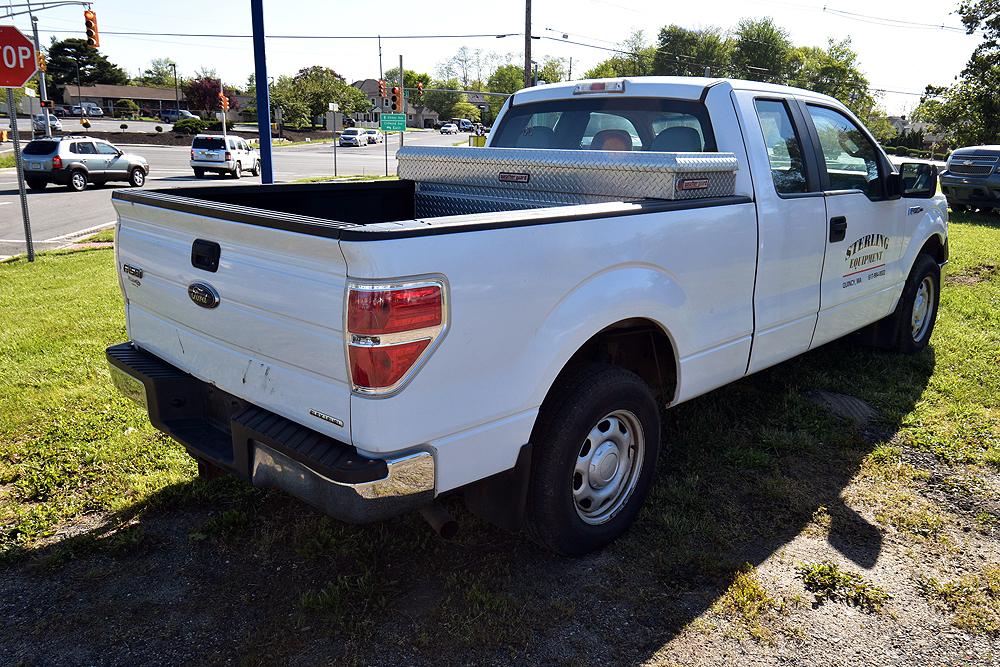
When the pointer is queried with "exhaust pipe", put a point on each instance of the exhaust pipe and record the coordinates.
(440, 520)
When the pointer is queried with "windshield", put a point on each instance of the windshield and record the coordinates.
(611, 124)
(40, 147)
(351, 132)
(208, 143)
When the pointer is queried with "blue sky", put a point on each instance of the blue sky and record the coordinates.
(895, 58)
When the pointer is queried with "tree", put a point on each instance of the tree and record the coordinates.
(683, 52)
(410, 78)
(634, 58)
(504, 79)
(465, 109)
(63, 56)
(553, 70)
(968, 113)
(317, 86)
(761, 50)
(159, 73)
(286, 97)
(203, 94)
(444, 100)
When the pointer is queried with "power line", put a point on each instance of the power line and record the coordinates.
(130, 33)
(890, 22)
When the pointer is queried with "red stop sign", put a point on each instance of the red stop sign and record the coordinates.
(17, 57)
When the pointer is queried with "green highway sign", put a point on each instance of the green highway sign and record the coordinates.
(393, 122)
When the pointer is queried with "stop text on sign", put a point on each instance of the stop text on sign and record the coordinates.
(16, 57)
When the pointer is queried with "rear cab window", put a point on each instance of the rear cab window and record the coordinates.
(618, 124)
(41, 147)
(208, 143)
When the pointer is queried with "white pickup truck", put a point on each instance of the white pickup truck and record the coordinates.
(508, 322)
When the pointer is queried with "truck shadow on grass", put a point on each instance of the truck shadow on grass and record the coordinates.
(208, 571)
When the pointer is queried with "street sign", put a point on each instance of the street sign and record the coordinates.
(393, 122)
(17, 57)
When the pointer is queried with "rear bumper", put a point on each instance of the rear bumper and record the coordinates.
(268, 450)
(213, 166)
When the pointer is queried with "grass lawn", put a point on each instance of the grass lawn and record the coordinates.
(766, 511)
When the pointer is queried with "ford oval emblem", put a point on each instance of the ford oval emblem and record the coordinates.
(204, 295)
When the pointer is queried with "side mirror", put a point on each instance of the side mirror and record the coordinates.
(919, 179)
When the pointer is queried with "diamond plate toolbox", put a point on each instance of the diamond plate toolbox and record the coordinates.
(450, 179)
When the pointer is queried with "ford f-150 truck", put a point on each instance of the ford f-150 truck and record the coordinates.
(507, 322)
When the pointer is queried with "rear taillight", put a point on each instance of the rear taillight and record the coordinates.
(57, 162)
(229, 156)
(390, 329)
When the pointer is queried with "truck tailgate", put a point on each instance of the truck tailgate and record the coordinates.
(275, 337)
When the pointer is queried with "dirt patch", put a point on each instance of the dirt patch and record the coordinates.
(973, 276)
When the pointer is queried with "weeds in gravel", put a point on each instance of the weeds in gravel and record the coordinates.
(349, 596)
(828, 582)
(973, 600)
(748, 602)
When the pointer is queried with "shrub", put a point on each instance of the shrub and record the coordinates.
(159, 128)
(123, 126)
(902, 151)
(127, 107)
(189, 126)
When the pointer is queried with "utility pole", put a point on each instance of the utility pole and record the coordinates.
(527, 43)
(402, 99)
(263, 91)
(570, 77)
(41, 75)
(177, 94)
(381, 108)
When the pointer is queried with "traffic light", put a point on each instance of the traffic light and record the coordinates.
(381, 88)
(42, 63)
(223, 101)
(45, 104)
(394, 101)
(420, 91)
(90, 27)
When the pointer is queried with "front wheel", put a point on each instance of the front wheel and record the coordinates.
(916, 312)
(594, 452)
(958, 208)
(137, 178)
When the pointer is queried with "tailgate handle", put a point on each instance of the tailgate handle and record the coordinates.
(205, 255)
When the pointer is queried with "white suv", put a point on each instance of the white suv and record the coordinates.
(223, 155)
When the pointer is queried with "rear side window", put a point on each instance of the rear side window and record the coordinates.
(83, 148)
(208, 143)
(784, 150)
(619, 124)
(41, 147)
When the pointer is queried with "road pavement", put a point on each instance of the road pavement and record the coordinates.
(59, 215)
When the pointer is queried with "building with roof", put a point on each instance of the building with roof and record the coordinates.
(149, 98)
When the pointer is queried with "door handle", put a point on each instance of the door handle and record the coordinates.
(838, 228)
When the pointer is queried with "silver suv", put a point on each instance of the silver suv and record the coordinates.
(76, 161)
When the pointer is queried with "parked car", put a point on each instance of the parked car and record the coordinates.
(463, 124)
(93, 110)
(76, 110)
(75, 161)
(223, 155)
(449, 128)
(354, 136)
(370, 347)
(173, 115)
(60, 111)
(972, 179)
(38, 122)
(375, 136)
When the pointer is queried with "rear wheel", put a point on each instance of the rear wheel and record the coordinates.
(77, 181)
(237, 171)
(199, 173)
(36, 183)
(137, 178)
(594, 452)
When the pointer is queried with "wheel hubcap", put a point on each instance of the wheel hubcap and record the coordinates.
(922, 302)
(78, 181)
(607, 467)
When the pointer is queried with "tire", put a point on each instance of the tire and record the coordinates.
(137, 178)
(237, 171)
(568, 467)
(958, 208)
(199, 173)
(77, 181)
(36, 183)
(256, 168)
(921, 292)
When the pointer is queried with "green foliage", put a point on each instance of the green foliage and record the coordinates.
(683, 52)
(159, 73)
(973, 600)
(189, 126)
(63, 56)
(465, 109)
(968, 113)
(158, 128)
(126, 108)
(828, 582)
(444, 100)
(505, 79)
(761, 50)
(553, 70)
